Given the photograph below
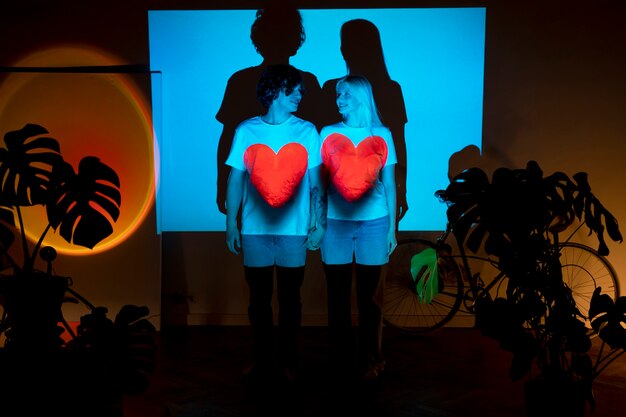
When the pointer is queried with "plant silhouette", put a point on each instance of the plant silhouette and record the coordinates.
(115, 357)
(81, 205)
(519, 218)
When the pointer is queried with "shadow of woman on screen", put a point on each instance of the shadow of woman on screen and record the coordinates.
(362, 50)
(277, 33)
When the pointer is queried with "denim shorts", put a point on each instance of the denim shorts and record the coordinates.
(268, 250)
(362, 240)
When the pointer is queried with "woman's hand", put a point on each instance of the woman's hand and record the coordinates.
(314, 238)
(392, 242)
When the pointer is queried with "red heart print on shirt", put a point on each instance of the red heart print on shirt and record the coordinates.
(276, 175)
(353, 170)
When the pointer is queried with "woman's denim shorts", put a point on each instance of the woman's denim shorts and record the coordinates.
(362, 240)
(268, 250)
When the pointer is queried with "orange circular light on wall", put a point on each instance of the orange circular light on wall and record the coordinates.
(90, 114)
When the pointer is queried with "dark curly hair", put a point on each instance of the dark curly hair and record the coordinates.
(277, 78)
(277, 29)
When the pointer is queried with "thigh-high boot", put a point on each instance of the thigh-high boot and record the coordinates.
(289, 282)
(260, 313)
(368, 278)
(341, 342)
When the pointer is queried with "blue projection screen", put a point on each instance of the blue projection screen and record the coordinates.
(436, 55)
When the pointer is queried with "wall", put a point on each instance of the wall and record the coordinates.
(554, 93)
(128, 273)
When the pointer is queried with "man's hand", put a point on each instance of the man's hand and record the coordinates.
(233, 240)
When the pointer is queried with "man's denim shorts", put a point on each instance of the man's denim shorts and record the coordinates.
(267, 250)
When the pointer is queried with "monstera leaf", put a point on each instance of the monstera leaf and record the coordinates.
(26, 166)
(608, 318)
(597, 217)
(519, 204)
(125, 347)
(84, 205)
(425, 274)
(137, 349)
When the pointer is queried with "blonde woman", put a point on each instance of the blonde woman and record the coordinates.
(359, 158)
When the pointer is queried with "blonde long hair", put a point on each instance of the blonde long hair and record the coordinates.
(361, 88)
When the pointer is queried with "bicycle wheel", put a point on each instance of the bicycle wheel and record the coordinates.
(584, 270)
(402, 309)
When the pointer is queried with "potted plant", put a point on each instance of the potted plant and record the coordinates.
(103, 356)
(517, 219)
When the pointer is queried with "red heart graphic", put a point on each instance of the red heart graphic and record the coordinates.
(353, 170)
(276, 176)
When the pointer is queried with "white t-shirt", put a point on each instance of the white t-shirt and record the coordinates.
(356, 191)
(276, 196)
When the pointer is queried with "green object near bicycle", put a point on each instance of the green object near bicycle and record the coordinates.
(424, 264)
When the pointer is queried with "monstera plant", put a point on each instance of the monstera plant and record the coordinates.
(81, 206)
(517, 218)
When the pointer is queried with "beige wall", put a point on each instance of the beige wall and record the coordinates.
(554, 93)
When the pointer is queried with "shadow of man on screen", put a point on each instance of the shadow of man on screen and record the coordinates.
(277, 33)
(362, 50)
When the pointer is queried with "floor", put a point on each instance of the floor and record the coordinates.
(453, 372)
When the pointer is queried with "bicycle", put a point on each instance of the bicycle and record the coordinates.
(464, 277)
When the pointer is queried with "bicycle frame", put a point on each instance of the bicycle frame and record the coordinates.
(477, 286)
(465, 278)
